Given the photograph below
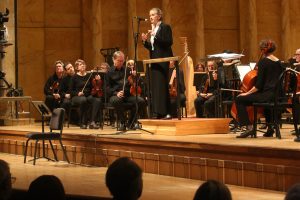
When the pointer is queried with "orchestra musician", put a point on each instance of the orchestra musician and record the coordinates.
(206, 93)
(81, 86)
(52, 86)
(158, 41)
(66, 86)
(269, 70)
(173, 85)
(119, 89)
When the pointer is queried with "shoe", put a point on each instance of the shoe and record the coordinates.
(83, 126)
(168, 116)
(122, 127)
(263, 126)
(269, 133)
(93, 125)
(247, 133)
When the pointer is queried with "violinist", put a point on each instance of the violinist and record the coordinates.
(269, 70)
(173, 89)
(81, 96)
(66, 86)
(206, 92)
(52, 87)
(119, 89)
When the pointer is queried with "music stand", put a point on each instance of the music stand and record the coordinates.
(44, 112)
(198, 78)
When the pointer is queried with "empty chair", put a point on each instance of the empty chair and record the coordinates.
(56, 124)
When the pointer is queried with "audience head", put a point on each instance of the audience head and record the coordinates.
(212, 190)
(46, 187)
(5, 180)
(293, 193)
(124, 179)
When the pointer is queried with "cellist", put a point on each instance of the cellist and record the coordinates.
(269, 70)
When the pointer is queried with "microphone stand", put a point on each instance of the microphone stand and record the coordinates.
(136, 37)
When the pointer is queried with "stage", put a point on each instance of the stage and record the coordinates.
(267, 163)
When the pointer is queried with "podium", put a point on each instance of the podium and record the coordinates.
(147, 68)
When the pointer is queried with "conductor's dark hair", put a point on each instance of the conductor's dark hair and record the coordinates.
(212, 190)
(124, 179)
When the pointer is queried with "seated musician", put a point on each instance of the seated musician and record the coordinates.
(206, 93)
(52, 86)
(173, 92)
(119, 88)
(269, 70)
(66, 86)
(81, 86)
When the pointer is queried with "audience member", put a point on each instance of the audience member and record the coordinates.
(212, 190)
(124, 179)
(46, 187)
(293, 193)
(5, 180)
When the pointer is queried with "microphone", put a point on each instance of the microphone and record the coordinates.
(141, 18)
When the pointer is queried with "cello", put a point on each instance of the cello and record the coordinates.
(248, 82)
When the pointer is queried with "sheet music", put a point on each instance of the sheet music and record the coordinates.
(226, 55)
(252, 65)
(243, 70)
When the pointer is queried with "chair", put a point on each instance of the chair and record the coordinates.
(284, 97)
(56, 124)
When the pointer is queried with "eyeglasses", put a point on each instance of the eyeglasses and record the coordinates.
(297, 54)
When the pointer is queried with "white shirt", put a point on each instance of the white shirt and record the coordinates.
(154, 31)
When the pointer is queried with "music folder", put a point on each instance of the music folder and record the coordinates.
(198, 78)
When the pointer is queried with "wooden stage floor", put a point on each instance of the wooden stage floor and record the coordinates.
(287, 141)
(266, 163)
(82, 180)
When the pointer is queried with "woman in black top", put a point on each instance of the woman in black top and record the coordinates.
(269, 70)
(81, 96)
(159, 41)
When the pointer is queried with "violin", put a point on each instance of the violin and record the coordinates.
(248, 82)
(55, 89)
(135, 89)
(97, 86)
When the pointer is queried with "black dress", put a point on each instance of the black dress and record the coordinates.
(267, 77)
(160, 98)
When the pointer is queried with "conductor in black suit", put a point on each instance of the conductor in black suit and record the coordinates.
(158, 41)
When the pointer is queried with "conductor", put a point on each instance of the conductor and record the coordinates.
(158, 41)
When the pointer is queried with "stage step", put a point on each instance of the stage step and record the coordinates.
(187, 126)
(17, 122)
